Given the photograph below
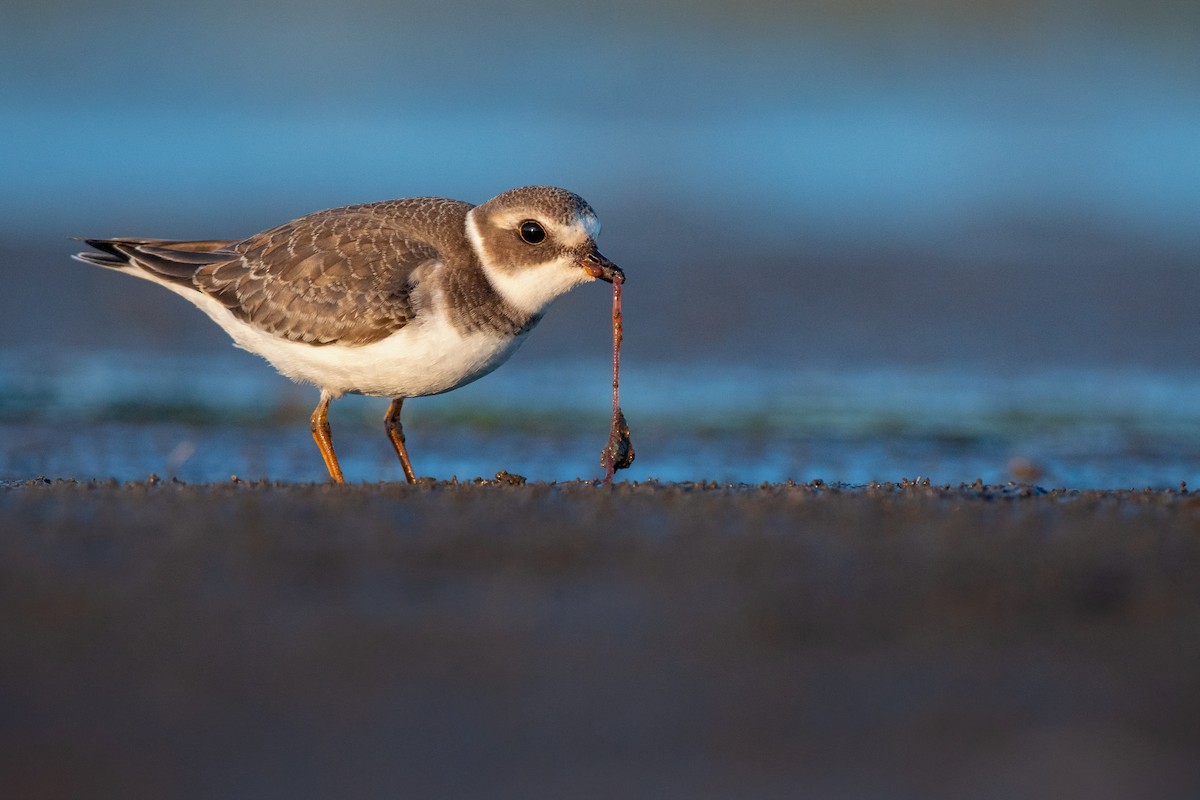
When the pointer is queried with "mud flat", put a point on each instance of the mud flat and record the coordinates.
(570, 640)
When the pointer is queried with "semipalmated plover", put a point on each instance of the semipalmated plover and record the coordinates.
(400, 298)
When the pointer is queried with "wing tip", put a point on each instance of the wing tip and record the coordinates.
(109, 256)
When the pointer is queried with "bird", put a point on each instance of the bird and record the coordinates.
(396, 298)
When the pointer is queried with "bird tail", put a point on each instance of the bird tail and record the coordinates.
(157, 259)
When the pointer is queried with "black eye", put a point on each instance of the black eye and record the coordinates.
(533, 232)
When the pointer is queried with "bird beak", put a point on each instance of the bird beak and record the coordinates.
(598, 266)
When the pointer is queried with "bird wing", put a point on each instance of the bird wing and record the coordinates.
(341, 276)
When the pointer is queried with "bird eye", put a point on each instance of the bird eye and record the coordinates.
(533, 232)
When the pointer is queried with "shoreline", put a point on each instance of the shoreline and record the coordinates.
(909, 488)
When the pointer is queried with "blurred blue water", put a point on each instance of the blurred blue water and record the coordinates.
(864, 240)
(887, 130)
(205, 419)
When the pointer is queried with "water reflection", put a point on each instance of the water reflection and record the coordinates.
(205, 419)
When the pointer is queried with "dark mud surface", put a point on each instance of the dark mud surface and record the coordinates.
(569, 640)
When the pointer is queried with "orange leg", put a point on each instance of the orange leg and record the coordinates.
(395, 432)
(320, 432)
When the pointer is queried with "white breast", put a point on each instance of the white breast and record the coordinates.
(427, 356)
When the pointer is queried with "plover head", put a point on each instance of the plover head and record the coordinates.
(537, 243)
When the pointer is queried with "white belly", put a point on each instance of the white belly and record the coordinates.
(422, 358)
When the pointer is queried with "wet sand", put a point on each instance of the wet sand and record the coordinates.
(569, 640)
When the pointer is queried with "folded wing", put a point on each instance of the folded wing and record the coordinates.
(341, 276)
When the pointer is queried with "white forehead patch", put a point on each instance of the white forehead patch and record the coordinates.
(591, 223)
(578, 230)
